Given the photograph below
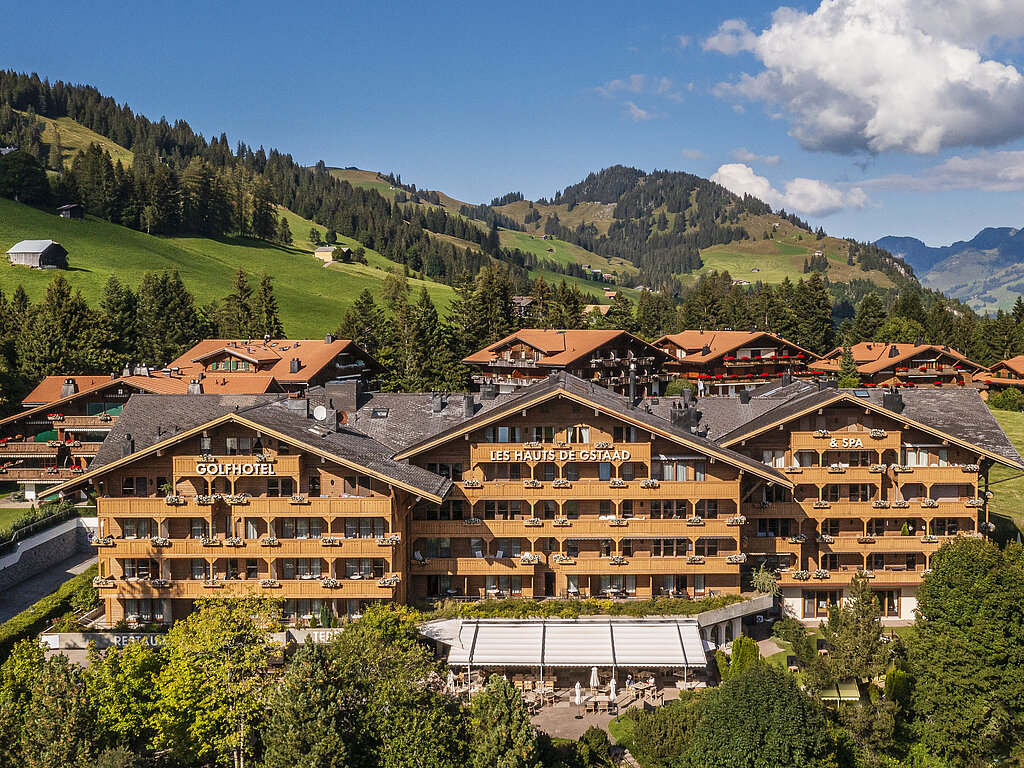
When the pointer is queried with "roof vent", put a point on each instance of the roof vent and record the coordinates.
(329, 339)
(744, 396)
(468, 405)
(487, 392)
(892, 400)
(437, 402)
(918, 342)
(68, 388)
(127, 370)
(195, 387)
(705, 350)
(293, 365)
(894, 351)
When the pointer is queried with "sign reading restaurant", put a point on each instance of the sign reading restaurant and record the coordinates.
(564, 454)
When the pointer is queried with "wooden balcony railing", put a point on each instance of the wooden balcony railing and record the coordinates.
(599, 490)
(840, 578)
(31, 450)
(588, 527)
(346, 588)
(257, 506)
(37, 475)
(250, 548)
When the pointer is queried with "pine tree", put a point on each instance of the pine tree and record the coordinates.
(854, 631)
(502, 734)
(1018, 310)
(60, 336)
(620, 314)
(364, 323)
(237, 319)
(119, 306)
(314, 236)
(264, 219)
(868, 319)
(266, 320)
(60, 722)
(284, 232)
(169, 322)
(848, 374)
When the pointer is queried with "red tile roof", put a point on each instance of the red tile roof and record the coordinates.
(721, 343)
(558, 348)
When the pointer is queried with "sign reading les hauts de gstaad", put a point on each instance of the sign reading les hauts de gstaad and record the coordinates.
(560, 454)
(244, 468)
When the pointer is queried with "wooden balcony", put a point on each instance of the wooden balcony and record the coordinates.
(473, 566)
(644, 564)
(839, 579)
(807, 441)
(630, 528)
(251, 548)
(37, 475)
(33, 450)
(889, 544)
(862, 510)
(347, 588)
(600, 490)
(102, 421)
(258, 506)
(584, 453)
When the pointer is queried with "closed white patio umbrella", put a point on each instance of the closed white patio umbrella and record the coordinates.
(579, 694)
(611, 690)
(595, 681)
(451, 680)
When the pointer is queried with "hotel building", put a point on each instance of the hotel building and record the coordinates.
(559, 489)
(881, 364)
(66, 418)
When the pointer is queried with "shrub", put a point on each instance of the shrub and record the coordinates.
(1010, 399)
(676, 387)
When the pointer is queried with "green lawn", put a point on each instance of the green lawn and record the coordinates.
(562, 252)
(8, 515)
(312, 297)
(1008, 500)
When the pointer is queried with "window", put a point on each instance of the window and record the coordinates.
(876, 526)
(476, 547)
(143, 609)
(671, 470)
(830, 561)
(604, 508)
(542, 434)
(775, 494)
(860, 492)
(773, 526)
(706, 547)
(438, 586)
(546, 471)
(200, 528)
(945, 526)
(577, 434)
(627, 508)
(364, 527)
(437, 547)
(505, 585)
(859, 459)
(626, 470)
(668, 509)
(200, 568)
(314, 485)
(624, 435)
(889, 600)
(775, 457)
(572, 547)
(806, 458)
(451, 471)
(915, 457)
(830, 527)
(252, 570)
(572, 471)
(604, 470)
(133, 486)
(302, 567)
(698, 584)
(280, 486)
(140, 568)
(572, 509)
(501, 435)
(205, 445)
(508, 547)
(238, 446)
(670, 547)
(502, 510)
(707, 508)
(572, 584)
(137, 528)
(357, 486)
(830, 493)
(816, 603)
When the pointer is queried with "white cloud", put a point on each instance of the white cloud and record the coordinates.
(810, 197)
(683, 41)
(987, 171)
(633, 84)
(693, 154)
(744, 156)
(885, 75)
(638, 114)
(666, 89)
(733, 36)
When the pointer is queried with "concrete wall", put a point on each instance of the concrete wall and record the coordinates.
(44, 550)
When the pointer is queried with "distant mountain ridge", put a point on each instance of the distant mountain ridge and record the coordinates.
(986, 271)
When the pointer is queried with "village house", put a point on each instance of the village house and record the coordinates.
(882, 364)
(39, 254)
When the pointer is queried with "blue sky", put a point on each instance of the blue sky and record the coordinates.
(869, 117)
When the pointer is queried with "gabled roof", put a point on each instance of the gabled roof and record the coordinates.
(874, 356)
(314, 355)
(34, 246)
(564, 384)
(721, 343)
(1015, 364)
(156, 422)
(561, 348)
(936, 412)
(48, 390)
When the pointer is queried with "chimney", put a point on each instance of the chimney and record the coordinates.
(487, 392)
(632, 381)
(68, 388)
(744, 396)
(293, 365)
(342, 395)
(683, 417)
(195, 387)
(468, 405)
(437, 402)
(894, 351)
(143, 370)
(689, 399)
(824, 384)
(127, 446)
(892, 400)
(787, 378)
(166, 372)
(127, 370)
(705, 350)
(329, 339)
(114, 375)
(918, 342)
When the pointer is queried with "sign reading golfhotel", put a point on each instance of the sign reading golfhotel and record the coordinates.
(561, 454)
(233, 469)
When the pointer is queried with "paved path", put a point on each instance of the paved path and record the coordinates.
(19, 597)
(561, 721)
(768, 648)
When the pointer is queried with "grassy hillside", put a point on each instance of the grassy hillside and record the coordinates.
(373, 180)
(598, 214)
(312, 297)
(74, 136)
(1008, 499)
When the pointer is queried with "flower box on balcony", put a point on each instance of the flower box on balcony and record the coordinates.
(209, 541)
(532, 483)
(270, 583)
(867, 574)
(901, 469)
(695, 520)
(878, 434)
(529, 558)
(929, 503)
(213, 584)
(561, 559)
(330, 583)
(618, 560)
(331, 541)
(472, 484)
(617, 482)
(865, 539)
(234, 541)
(649, 483)
(793, 470)
(900, 504)
(100, 582)
(987, 527)
(531, 444)
(821, 505)
(736, 559)
(801, 575)
(298, 499)
(389, 581)
(533, 522)
(974, 503)
(105, 417)
(389, 541)
(821, 433)
(561, 483)
(103, 541)
(695, 559)
(969, 468)
(877, 468)
(798, 539)
(561, 522)
(55, 416)
(618, 522)
(736, 520)
(929, 538)
(159, 583)
(269, 541)
(206, 501)
(821, 573)
(603, 444)
(238, 499)
(836, 469)
(173, 501)
(472, 521)
(879, 504)
(159, 541)
(826, 538)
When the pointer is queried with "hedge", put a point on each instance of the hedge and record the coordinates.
(520, 608)
(76, 594)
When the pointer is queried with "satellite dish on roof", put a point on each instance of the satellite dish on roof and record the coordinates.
(320, 413)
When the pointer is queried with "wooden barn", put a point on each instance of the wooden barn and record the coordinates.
(41, 254)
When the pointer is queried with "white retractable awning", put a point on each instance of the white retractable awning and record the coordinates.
(589, 642)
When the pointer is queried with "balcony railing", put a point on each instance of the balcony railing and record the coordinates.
(257, 506)
(251, 548)
(192, 589)
(578, 528)
(599, 490)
